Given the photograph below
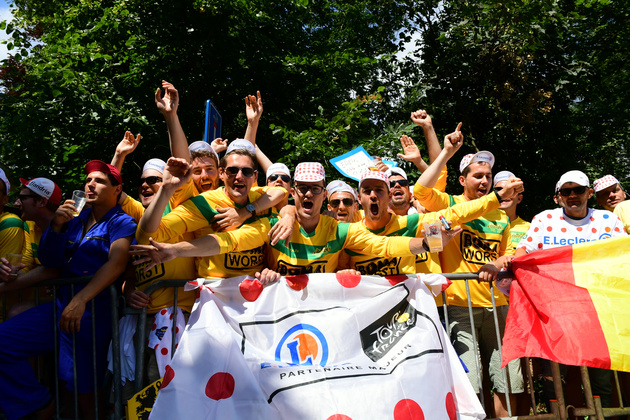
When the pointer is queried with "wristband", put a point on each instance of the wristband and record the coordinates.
(499, 197)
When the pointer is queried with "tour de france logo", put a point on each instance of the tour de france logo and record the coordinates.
(303, 345)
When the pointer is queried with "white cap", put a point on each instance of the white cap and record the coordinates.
(278, 168)
(202, 145)
(483, 156)
(378, 175)
(155, 164)
(340, 186)
(44, 187)
(503, 176)
(577, 177)
(241, 144)
(4, 178)
(309, 172)
(395, 170)
(604, 182)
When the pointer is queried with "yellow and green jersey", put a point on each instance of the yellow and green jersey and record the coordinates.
(12, 241)
(31, 245)
(411, 226)
(194, 216)
(315, 252)
(482, 240)
(518, 229)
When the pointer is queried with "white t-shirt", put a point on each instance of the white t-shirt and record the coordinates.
(553, 228)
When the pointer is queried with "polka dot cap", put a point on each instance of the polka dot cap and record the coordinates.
(378, 175)
(604, 182)
(309, 172)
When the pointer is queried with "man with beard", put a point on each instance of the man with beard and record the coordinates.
(238, 173)
(483, 247)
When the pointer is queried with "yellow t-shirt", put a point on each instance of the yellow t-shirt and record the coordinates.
(195, 216)
(483, 240)
(315, 252)
(12, 241)
(411, 226)
(31, 245)
(623, 212)
(518, 229)
(177, 269)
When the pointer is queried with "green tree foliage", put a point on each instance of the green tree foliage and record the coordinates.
(542, 84)
(93, 73)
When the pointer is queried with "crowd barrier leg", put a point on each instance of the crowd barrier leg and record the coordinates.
(505, 370)
(116, 355)
(140, 349)
(475, 345)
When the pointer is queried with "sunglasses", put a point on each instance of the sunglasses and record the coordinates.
(234, 170)
(283, 177)
(150, 180)
(315, 189)
(565, 192)
(346, 202)
(23, 197)
(401, 182)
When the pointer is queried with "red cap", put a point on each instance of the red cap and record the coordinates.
(106, 168)
(45, 188)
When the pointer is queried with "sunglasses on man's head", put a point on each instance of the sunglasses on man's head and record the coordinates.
(283, 177)
(565, 192)
(346, 202)
(401, 182)
(234, 170)
(315, 189)
(150, 180)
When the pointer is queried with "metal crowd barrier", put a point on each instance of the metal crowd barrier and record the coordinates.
(98, 388)
(559, 408)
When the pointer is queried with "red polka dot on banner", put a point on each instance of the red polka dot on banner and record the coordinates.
(164, 351)
(348, 280)
(408, 410)
(529, 239)
(153, 327)
(592, 219)
(549, 216)
(198, 294)
(579, 229)
(607, 229)
(176, 345)
(169, 374)
(394, 280)
(163, 311)
(176, 330)
(549, 228)
(594, 230)
(171, 316)
(220, 386)
(250, 289)
(536, 229)
(563, 230)
(339, 417)
(298, 282)
(156, 347)
(540, 245)
(561, 217)
(451, 410)
(617, 229)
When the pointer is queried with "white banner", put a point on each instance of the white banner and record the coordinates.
(321, 346)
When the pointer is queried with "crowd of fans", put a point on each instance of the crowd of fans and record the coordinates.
(183, 225)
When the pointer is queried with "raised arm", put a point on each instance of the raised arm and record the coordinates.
(422, 118)
(176, 173)
(452, 143)
(411, 153)
(253, 110)
(263, 160)
(126, 146)
(167, 105)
